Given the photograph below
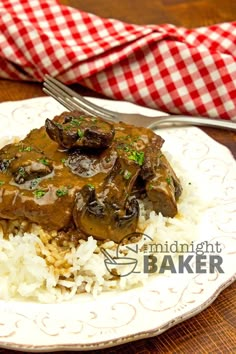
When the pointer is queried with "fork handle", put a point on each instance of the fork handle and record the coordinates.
(188, 120)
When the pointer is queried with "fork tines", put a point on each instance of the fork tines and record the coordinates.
(72, 100)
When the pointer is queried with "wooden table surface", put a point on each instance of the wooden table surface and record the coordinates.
(214, 329)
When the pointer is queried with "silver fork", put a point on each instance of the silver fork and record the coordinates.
(73, 101)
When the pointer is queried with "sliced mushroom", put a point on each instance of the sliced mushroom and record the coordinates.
(49, 184)
(110, 213)
(88, 165)
(75, 129)
(24, 162)
(27, 168)
(30, 170)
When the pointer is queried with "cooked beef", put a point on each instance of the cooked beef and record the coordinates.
(46, 199)
(164, 188)
(81, 173)
(76, 129)
(151, 160)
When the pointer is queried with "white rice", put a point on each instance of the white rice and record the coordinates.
(31, 269)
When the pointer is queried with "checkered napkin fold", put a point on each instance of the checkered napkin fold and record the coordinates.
(174, 69)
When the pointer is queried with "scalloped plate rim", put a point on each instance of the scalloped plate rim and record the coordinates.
(130, 337)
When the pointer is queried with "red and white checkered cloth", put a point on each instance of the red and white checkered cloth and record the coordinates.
(174, 69)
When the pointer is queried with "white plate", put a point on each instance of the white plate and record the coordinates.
(115, 318)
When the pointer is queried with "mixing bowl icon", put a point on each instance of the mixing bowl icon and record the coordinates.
(121, 266)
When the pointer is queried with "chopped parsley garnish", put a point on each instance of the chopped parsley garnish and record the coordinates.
(75, 122)
(126, 148)
(63, 160)
(34, 183)
(127, 137)
(21, 171)
(80, 133)
(136, 139)
(71, 122)
(2, 183)
(59, 125)
(39, 193)
(150, 187)
(132, 154)
(61, 192)
(90, 185)
(27, 148)
(127, 174)
(44, 161)
(168, 180)
(137, 156)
